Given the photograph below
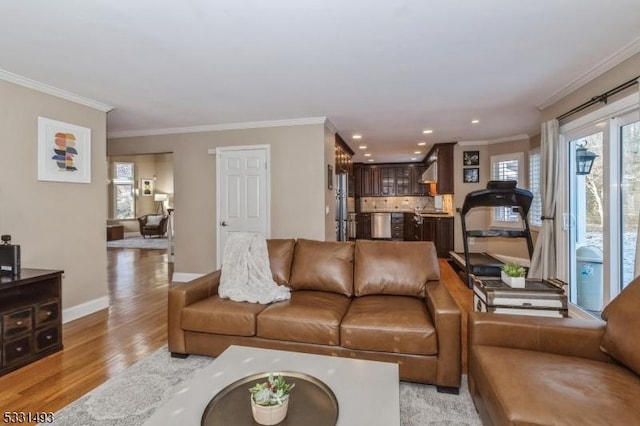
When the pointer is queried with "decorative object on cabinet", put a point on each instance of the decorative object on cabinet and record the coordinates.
(146, 187)
(64, 152)
(471, 175)
(471, 158)
(30, 313)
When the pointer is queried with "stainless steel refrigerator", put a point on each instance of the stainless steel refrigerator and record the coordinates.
(345, 222)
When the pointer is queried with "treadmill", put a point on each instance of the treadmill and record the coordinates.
(499, 193)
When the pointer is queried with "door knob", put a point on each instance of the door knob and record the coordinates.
(223, 223)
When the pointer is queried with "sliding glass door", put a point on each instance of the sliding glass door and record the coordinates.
(602, 209)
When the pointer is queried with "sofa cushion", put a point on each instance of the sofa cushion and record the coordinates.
(394, 267)
(323, 265)
(221, 316)
(308, 317)
(623, 321)
(280, 259)
(397, 324)
(154, 220)
(540, 388)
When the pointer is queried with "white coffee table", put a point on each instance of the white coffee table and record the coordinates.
(368, 392)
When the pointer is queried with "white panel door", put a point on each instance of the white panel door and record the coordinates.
(242, 188)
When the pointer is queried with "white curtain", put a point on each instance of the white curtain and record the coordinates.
(543, 261)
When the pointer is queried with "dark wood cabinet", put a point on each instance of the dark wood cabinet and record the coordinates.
(363, 226)
(436, 229)
(397, 226)
(444, 236)
(388, 180)
(409, 227)
(442, 154)
(30, 317)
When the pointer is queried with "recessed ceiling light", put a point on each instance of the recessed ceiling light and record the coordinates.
(368, 154)
(413, 158)
(371, 160)
(417, 152)
(427, 131)
(475, 121)
(356, 136)
(422, 143)
(362, 147)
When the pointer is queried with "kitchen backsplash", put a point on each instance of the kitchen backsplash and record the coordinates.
(406, 204)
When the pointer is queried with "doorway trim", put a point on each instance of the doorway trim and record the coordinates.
(217, 152)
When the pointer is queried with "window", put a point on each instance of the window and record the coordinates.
(535, 212)
(123, 191)
(599, 231)
(506, 167)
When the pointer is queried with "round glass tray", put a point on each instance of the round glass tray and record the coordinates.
(312, 403)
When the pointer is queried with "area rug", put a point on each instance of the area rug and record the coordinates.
(139, 242)
(129, 398)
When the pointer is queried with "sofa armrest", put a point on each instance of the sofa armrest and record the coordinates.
(446, 318)
(562, 336)
(182, 295)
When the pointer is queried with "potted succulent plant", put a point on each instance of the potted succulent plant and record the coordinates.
(270, 400)
(513, 274)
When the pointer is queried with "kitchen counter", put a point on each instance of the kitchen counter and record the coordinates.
(421, 214)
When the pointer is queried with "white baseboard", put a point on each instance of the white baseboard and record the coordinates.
(83, 309)
(183, 277)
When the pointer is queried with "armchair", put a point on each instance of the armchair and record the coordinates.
(153, 224)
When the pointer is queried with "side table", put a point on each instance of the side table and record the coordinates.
(115, 232)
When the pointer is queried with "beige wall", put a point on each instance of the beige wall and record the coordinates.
(146, 167)
(329, 195)
(480, 218)
(616, 76)
(298, 184)
(57, 225)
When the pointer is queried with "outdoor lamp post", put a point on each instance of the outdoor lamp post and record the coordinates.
(584, 159)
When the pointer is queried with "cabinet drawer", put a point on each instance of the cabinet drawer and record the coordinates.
(17, 322)
(47, 312)
(16, 350)
(47, 338)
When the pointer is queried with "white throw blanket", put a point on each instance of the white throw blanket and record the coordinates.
(246, 274)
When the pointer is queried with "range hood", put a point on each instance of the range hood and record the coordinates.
(431, 174)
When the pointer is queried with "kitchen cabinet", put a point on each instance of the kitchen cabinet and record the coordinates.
(370, 181)
(397, 226)
(363, 226)
(442, 153)
(409, 224)
(436, 229)
(403, 180)
(388, 180)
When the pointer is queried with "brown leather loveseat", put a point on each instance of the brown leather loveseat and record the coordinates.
(375, 300)
(558, 371)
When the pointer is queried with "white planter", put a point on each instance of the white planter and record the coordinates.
(515, 282)
(271, 415)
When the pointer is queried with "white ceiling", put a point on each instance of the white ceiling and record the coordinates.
(386, 69)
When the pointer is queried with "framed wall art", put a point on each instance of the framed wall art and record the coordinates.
(471, 175)
(471, 158)
(64, 152)
(146, 187)
(329, 177)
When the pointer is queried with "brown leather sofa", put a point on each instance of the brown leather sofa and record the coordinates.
(558, 371)
(374, 300)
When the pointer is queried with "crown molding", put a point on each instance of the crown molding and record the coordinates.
(519, 137)
(218, 127)
(608, 63)
(329, 125)
(54, 91)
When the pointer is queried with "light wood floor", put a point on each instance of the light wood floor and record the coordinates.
(98, 346)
